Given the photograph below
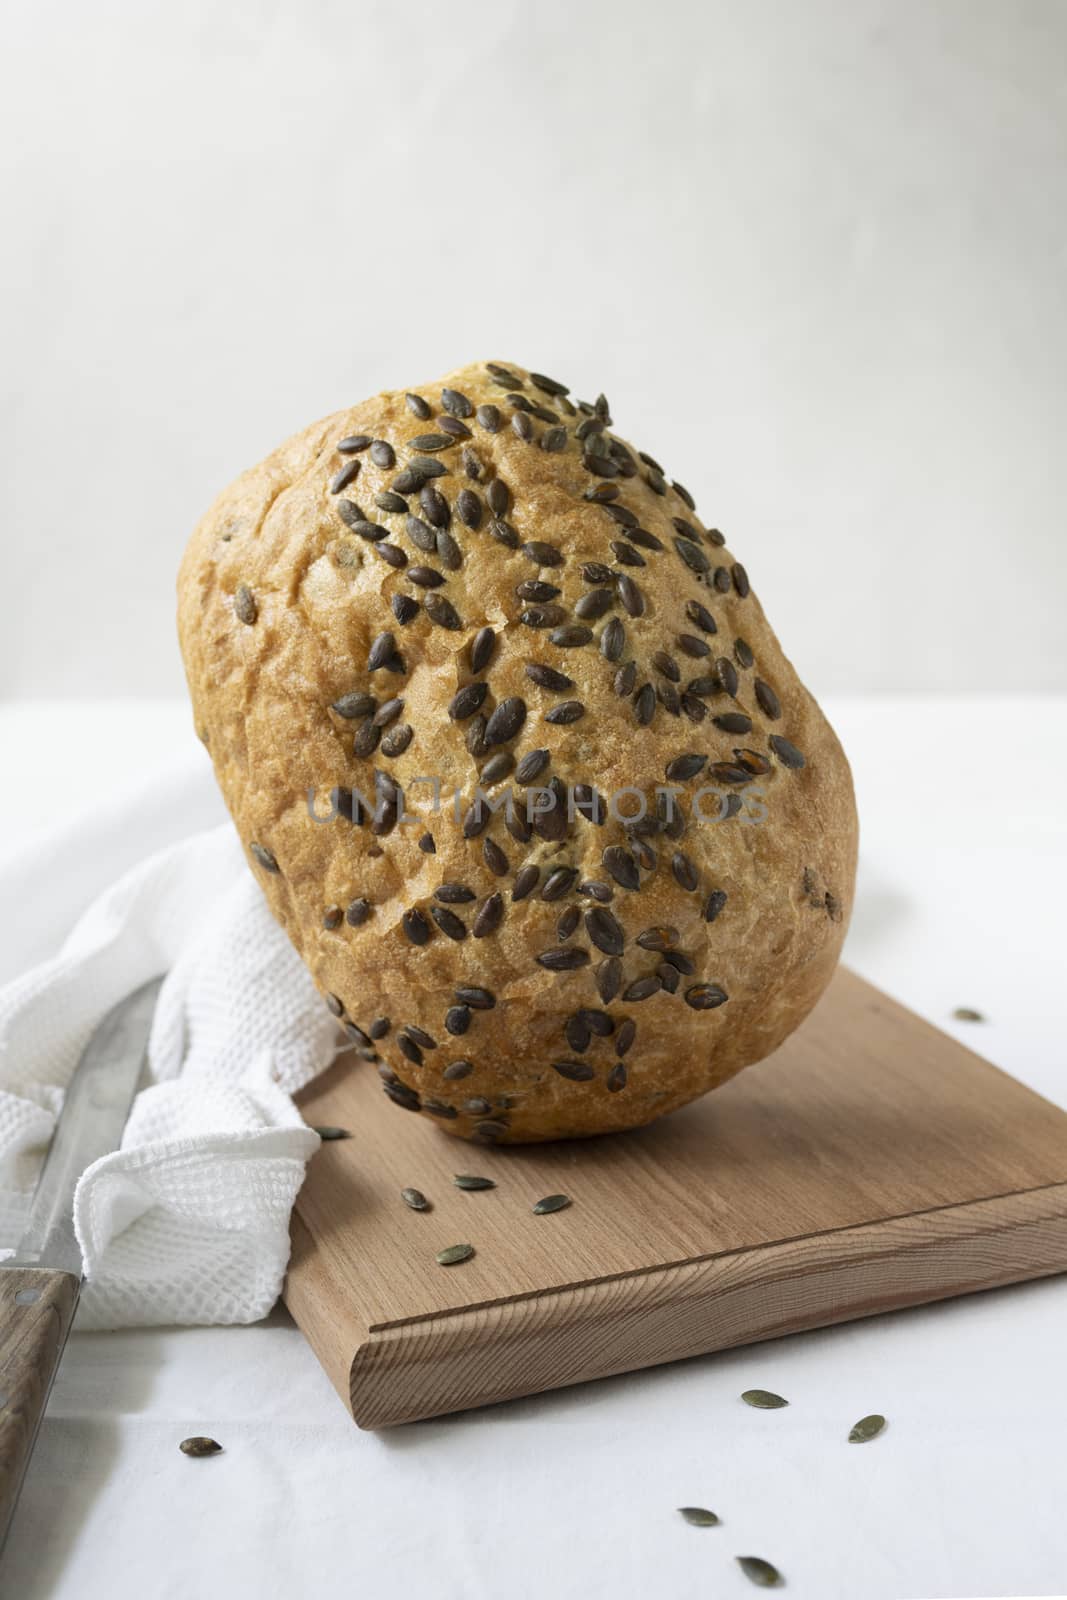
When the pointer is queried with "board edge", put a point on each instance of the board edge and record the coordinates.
(523, 1346)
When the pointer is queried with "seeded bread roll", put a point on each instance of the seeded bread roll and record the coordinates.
(478, 587)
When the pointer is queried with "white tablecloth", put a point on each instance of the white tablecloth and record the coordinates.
(963, 889)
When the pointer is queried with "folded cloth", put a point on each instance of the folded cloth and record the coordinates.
(189, 1220)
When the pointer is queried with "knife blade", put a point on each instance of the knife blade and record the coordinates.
(40, 1284)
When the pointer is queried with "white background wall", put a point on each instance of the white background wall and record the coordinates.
(815, 251)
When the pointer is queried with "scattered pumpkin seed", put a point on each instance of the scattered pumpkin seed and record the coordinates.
(551, 1202)
(454, 1254)
(866, 1428)
(764, 1399)
(759, 1572)
(699, 1516)
(198, 1445)
(468, 1180)
(415, 1199)
(967, 1014)
(332, 1133)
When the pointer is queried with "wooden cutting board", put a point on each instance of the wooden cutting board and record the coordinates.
(870, 1163)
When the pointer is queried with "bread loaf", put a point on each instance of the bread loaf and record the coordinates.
(516, 758)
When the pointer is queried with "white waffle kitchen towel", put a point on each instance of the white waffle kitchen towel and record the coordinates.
(189, 1221)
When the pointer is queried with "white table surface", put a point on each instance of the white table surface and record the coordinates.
(962, 897)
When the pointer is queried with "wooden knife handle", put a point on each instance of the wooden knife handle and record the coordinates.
(37, 1307)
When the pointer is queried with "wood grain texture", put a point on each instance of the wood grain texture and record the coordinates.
(871, 1163)
(36, 1310)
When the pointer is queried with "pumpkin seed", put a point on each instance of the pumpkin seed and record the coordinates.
(344, 477)
(415, 926)
(551, 1202)
(643, 988)
(437, 1108)
(548, 385)
(759, 1572)
(481, 649)
(426, 1040)
(576, 1071)
(558, 882)
(357, 704)
(415, 1199)
(244, 604)
(562, 960)
(198, 1445)
(506, 720)
(699, 1516)
(478, 999)
(441, 611)
(625, 1036)
(492, 855)
(389, 501)
(547, 677)
(454, 1254)
(569, 711)
(332, 1133)
(605, 931)
(430, 441)
(457, 1020)
(503, 375)
(265, 858)
(766, 698)
(787, 753)
(866, 1428)
(382, 650)
(448, 551)
(729, 721)
(466, 701)
(684, 767)
(450, 925)
(622, 866)
(533, 763)
(705, 996)
(455, 403)
(609, 979)
(577, 1033)
(763, 1399)
(593, 605)
(967, 1014)
(467, 1180)
(488, 919)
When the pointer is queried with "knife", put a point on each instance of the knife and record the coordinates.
(40, 1284)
